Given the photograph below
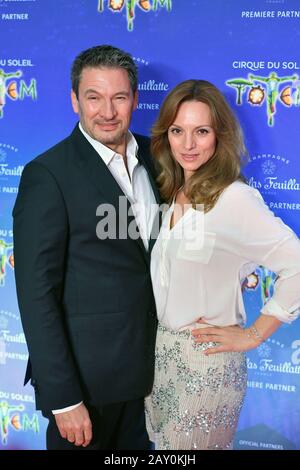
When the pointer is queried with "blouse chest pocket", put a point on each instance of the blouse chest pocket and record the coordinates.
(198, 249)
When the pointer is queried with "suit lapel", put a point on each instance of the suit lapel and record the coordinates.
(97, 172)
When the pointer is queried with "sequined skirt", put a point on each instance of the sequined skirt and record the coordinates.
(196, 399)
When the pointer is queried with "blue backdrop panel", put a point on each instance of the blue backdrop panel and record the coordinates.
(249, 49)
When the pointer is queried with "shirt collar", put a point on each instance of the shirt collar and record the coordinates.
(107, 154)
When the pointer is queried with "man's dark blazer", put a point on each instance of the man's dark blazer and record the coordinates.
(86, 304)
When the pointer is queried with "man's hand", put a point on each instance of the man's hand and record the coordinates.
(75, 426)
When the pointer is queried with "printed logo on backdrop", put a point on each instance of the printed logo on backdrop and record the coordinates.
(277, 13)
(262, 281)
(149, 88)
(13, 417)
(12, 87)
(12, 340)
(262, 437)
(274, 365)
(6, 258)
(117, 6)
(268, 90)
(10, 169)
(273, 177)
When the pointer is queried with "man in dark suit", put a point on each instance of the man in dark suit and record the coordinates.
(82, 276)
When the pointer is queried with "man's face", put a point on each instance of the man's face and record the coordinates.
(105, 104)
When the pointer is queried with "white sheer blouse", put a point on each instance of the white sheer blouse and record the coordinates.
(197, 266)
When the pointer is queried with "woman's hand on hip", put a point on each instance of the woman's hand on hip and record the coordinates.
(229, 338)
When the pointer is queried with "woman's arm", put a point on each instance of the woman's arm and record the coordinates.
(235, 338)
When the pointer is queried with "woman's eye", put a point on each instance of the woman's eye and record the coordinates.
(175, 131)
(203, 131)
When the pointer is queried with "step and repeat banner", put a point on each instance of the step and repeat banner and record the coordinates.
(250, 50)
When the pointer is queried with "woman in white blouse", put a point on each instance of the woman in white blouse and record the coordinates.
(214, 232)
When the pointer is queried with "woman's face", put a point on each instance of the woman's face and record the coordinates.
(191, 136)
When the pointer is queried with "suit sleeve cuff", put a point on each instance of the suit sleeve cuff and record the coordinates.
(68, 408)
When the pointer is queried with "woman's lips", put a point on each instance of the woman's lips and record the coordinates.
(189, 158)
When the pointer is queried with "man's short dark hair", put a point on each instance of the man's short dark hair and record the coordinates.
(103, 56)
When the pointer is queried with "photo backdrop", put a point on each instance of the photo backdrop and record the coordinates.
(250, 50)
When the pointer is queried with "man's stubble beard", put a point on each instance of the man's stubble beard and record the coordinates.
(116, 138)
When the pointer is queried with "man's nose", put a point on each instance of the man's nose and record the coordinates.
(107, 110)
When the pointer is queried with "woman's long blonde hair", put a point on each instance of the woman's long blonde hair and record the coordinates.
(222, 169)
